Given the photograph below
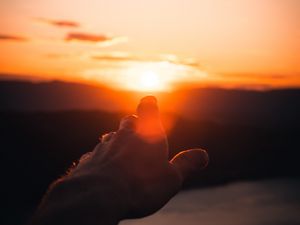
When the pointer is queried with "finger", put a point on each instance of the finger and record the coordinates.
(190, 161)
(85, 157)
(147, 108)
(82, 161)
(149, 124)
(106, 137)
(128, 123)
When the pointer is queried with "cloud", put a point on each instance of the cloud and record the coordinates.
(123, 56)
(87, 37)
(114, 56)
(4, 37)
(59, 23)
(57, 56)
(260, 76)
(95, 38)
(110, 58)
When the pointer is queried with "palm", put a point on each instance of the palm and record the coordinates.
(152, 179)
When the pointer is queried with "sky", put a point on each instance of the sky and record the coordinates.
(157, 44)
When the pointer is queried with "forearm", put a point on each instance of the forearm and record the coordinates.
(72, 201)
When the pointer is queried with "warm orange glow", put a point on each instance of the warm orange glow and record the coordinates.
(141, 78)
(150, 81)
(56, 39)
(146, 76)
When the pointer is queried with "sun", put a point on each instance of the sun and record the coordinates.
(149, 80)
(145, 79)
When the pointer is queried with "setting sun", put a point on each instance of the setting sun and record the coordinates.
(150, 81)
(151, 84)
(231, 44)
(146, 76)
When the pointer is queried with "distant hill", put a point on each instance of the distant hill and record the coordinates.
(45, 126)
(54, 96)
(242, 106)
(273, 107)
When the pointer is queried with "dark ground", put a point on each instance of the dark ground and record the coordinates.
(37, 146)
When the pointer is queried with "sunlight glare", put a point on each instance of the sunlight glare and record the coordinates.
(149, 81)
(146, 76)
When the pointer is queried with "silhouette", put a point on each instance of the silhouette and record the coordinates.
(249, 135)
(127, 175)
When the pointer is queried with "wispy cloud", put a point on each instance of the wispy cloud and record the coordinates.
(114, 56)
(87, 37)
(59, 23)
(259, 76)
(124, 56)
(58, 56)
(117, 68)
(5, 37)
(94, 38)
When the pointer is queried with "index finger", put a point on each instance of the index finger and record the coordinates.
(149, 124)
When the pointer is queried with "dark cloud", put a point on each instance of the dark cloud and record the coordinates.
(59, 23)
(88, 37)
(4, 37)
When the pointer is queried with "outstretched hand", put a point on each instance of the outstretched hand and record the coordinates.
(127, 175)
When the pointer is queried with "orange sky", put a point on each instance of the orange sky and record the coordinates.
(236, 43)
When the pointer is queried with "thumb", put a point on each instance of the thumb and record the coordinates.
(190, 161)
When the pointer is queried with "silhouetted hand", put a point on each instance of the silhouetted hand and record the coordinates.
(127, 175)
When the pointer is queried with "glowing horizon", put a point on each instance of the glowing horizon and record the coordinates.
(238, 43)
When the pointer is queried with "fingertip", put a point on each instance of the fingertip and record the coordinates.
(128, 123)
(149, 124)
(199, 157)
(190, 161)
(148, 107)
(149, 99)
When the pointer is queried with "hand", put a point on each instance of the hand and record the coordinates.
(127, 175)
